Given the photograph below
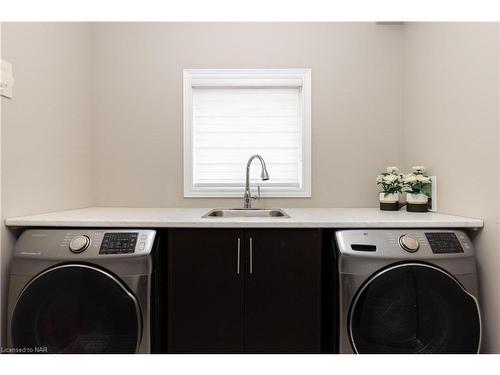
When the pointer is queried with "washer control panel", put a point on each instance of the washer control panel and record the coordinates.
(444, 242)
(409, 243)
(403, 243)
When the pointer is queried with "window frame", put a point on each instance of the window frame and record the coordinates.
(247, 78)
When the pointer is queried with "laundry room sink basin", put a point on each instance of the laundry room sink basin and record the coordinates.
(246, 212)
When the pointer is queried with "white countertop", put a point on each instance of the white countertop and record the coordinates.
(107, 217)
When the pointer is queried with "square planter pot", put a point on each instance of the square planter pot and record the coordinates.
(417, 202)
(389, 202)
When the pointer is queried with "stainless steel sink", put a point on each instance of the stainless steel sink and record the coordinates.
(246, 212)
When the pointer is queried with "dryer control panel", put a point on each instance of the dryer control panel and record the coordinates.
(84, 244)
(119, 243)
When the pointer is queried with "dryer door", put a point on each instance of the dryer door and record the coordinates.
(414, 308)
(76, 308)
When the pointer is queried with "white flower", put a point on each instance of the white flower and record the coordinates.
(409, 178)
(392, 169)
(390, 178)
(380, 178)
(419, 169)
(423, 179)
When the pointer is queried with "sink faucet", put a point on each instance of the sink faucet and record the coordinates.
(247, 198)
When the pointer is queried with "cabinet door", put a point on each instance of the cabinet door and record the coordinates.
(283, 291)
(205, 291)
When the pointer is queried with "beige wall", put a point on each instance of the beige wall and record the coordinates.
(451, 108)
(97, 115)
(46, 133)
(356, 104)
(3, 265)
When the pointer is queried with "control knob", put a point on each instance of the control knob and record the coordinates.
(79, 244)
(409, 243)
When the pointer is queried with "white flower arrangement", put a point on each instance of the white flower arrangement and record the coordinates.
(416, 182)
(391, 181)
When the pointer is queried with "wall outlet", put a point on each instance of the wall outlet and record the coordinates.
(433, 207)
(6, 79)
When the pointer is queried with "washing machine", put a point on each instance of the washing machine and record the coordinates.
(80, 291)
(407, 291)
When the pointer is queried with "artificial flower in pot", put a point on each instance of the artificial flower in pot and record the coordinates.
(416, 186)
(391, 184)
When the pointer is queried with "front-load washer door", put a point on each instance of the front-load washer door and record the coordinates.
(76, 308)
(414, 308)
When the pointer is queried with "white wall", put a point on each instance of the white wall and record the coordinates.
(451, 109)
(46, 132)
(356, 103)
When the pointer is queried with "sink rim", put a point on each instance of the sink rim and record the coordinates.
(210, 214)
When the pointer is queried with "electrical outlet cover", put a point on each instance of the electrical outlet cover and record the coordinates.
(6, 79)
(433, 207)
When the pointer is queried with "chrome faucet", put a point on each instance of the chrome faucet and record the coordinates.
(247, 198)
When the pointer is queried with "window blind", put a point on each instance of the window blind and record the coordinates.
(232, 123)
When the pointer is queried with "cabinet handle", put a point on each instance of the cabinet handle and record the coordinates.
(238, 260)
(251, 255)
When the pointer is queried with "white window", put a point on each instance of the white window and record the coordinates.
(230, 115)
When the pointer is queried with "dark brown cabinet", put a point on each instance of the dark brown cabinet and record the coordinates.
(205, 293)
(234, 291)
(283, 291)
